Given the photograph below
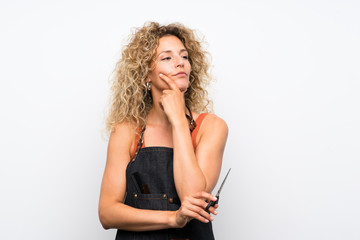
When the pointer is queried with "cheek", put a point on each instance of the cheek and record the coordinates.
(164, 68)
(161, 68)
(188, 65)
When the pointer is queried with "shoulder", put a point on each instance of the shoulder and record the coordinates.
(213, 126)
(122, 136)
(123, 127)
(210, 146)
(213, 122)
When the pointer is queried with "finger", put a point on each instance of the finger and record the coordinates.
(205, 195)
(194, 215)
(201, 206)
(169, 81)
(198, 202)
(213, 210)
(199, 212)
(167, 92)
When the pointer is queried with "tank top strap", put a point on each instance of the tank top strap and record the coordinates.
(140, 143)
(198, 122)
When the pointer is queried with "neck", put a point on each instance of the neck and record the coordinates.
(157, 116)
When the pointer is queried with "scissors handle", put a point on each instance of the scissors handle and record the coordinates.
(211, 204)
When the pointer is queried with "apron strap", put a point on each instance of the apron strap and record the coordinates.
(193, 126)
(140, 141)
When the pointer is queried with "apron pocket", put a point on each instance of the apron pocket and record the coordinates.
(150, 201)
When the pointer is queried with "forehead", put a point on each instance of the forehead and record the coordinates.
(171, 43)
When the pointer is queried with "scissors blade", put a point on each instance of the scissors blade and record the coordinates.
(222, 184)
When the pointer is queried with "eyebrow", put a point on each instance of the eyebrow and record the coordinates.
(169, 51)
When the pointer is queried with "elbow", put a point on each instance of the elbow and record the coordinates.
(207, 189)
(104, 220)
(110, 217)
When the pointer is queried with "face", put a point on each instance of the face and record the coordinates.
(172, 60)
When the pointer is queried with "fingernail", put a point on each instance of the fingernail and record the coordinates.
(215, 212)
(160, 74)
(215, 198)
(211, 218)
(206, 220)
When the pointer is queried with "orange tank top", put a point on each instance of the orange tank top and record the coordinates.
(194, 133)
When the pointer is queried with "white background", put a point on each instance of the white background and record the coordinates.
(287, 83)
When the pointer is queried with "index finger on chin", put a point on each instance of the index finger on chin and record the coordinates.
(169, 82)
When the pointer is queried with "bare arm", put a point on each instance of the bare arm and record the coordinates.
(200, 170)
(113, 212)
(193, 171)
(211, 141)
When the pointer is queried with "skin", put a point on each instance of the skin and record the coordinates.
(195, 172)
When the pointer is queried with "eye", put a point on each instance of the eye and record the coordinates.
(185, 57)
(166, 58)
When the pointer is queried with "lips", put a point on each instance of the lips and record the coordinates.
(181, 74)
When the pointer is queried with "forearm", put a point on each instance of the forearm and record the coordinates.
(124, 217)
(188, 176)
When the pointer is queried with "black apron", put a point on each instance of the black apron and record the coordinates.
(150, 185)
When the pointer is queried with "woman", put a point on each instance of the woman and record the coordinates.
(163, 159)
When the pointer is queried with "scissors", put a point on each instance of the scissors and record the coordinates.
(212, 203)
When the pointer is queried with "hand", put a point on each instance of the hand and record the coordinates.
(172, 101)
(193, 207)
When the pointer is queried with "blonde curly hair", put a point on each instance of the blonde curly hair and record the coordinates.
(130, 101)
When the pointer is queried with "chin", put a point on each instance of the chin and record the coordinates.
(182, 87)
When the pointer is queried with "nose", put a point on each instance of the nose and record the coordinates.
(179, 61)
